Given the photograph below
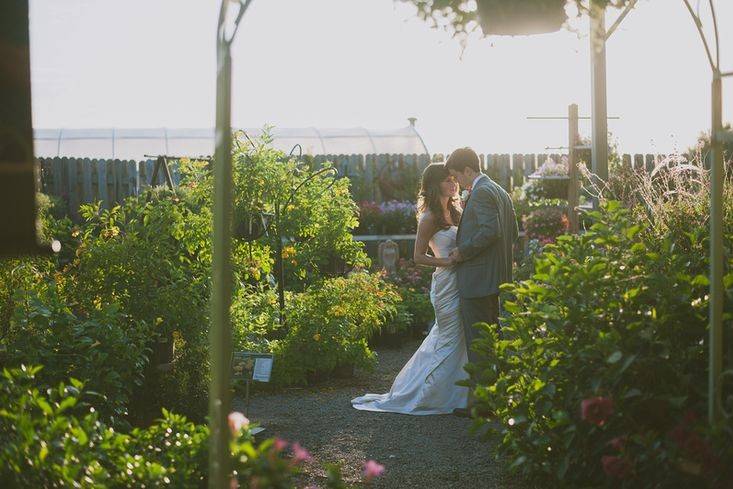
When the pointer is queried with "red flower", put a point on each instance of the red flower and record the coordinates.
(616, 467)
(596, 410)
(692, 444)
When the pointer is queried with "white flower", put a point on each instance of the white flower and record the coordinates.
(464, 195)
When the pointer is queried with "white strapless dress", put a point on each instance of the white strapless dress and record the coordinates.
(427, 382)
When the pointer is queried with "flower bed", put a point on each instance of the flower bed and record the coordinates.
(393, 217)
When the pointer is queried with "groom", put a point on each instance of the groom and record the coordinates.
(485, 242)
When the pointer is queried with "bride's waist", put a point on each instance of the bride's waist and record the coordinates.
(443, 270)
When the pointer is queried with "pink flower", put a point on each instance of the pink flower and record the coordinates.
(237, 422)
(279, 444)
(616, 467)
(300, 454)
(372, 469)
(596, 410)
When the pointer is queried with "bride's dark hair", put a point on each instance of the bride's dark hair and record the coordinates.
(429, 196)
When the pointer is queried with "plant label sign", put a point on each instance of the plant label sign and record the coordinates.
(251, 366)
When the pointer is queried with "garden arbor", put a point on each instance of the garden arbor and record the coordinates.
(495, 17)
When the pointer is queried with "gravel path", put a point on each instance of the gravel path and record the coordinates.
(418, 451)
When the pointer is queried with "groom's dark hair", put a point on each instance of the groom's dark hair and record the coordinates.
(463, 158)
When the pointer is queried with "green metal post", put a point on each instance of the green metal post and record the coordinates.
(717, 291)
(221, 293)
(573, 190)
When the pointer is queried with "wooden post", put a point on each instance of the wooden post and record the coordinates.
(517, 170)
(87, 195)
(73, 186)
(529, 164)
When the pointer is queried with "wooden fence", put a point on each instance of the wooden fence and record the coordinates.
(374, 177)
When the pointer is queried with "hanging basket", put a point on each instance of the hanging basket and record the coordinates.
(250, 226)
(521, 17)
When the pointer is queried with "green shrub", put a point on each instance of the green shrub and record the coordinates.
(329, 325)
(152, 256)
(418, 306)
(316, 222)
(104, 348)
(42, 444)
(598, 376)
(256, 318)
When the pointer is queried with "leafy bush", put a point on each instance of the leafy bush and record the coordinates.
(329, 324)
(42, 444)
(152, 256)
(413, 282)
(105, 349)
(316, 221)
(598, 376)
(418, 306)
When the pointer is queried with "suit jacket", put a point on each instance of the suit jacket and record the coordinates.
(485, 239)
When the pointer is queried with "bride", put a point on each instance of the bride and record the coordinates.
(426, 384)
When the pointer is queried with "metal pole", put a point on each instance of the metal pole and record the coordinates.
(220, 332)
(598, 95)
(717, 291)
(280, 265)
(573, 167)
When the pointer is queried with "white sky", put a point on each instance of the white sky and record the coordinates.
(370, 63)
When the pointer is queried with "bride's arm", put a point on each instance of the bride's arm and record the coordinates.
(426, 228)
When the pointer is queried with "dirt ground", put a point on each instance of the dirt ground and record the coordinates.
(418, 451)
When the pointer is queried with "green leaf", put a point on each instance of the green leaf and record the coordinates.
(627, 363)
(632, 393)
(563, 468)
(633, 231)
(615, 357)
(44, 406)
(43, 453)
(701, 280)
(519, 461)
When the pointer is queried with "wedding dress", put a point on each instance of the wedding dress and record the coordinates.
(426, 384)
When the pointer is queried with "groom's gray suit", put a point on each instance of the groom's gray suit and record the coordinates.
(485, 240)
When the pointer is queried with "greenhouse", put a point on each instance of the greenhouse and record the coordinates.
(134, 144)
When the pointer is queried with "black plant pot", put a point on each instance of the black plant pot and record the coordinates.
(249, 226)
(521, 17)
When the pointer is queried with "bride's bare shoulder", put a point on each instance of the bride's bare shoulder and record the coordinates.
(426, 219)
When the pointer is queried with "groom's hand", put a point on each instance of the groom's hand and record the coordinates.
(455, 256)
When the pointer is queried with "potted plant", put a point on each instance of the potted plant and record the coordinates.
(520, 17)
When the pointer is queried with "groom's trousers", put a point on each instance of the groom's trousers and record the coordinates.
(478, 310)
